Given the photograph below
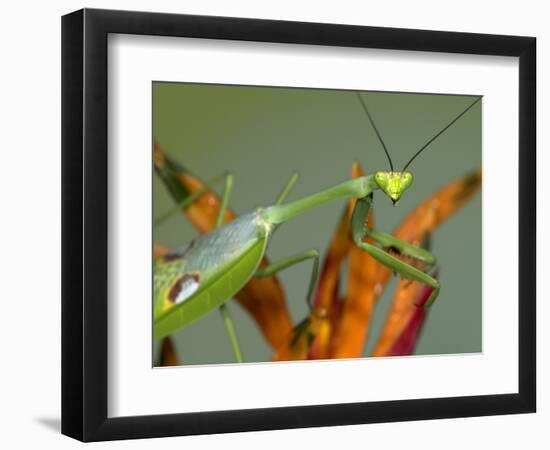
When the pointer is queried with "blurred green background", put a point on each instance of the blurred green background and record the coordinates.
(262, 134)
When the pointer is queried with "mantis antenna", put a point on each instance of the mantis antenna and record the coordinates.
(440, 133)
(375, 129)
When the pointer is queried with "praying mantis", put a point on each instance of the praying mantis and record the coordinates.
(205, 274)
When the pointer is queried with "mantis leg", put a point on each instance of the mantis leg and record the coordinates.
(227, 320)
(229, 185)
(360, 230)
(291, 261)
(225, 199)
(404, 248)
(194, 196)
(219, 219)
(287, 188)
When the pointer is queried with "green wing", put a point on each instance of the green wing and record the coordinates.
(211, 270)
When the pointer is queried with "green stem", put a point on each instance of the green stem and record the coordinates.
(231, 333)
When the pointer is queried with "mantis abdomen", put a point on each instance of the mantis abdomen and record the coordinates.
(202, 275)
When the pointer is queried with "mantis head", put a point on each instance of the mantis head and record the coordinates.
(393, 183)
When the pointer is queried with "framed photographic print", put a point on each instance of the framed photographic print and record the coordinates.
(267, 223)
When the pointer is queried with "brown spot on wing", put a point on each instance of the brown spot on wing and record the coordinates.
(180, 283)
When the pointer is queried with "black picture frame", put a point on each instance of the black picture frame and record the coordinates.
(84, 224)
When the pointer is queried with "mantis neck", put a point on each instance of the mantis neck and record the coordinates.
(356, 188)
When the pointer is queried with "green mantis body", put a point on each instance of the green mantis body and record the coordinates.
(204, 275)
(210, 270)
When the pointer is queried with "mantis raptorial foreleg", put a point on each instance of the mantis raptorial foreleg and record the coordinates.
(291, 261)
(404, 248)
(360, 231)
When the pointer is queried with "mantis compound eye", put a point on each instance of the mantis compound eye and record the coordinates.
(382, 179)
(406, 180)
